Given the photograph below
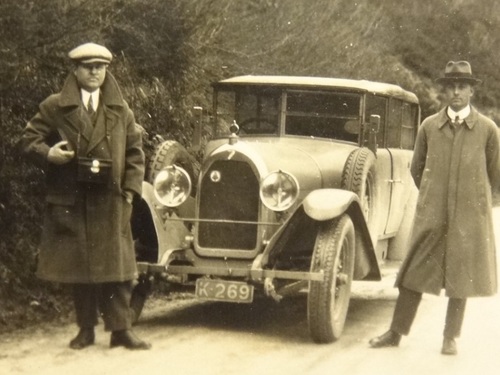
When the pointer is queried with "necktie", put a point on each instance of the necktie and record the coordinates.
(90, 106)
(455, 124)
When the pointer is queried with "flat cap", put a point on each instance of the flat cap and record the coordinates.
(90, 53)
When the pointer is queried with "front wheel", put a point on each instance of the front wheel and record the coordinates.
(328, 300)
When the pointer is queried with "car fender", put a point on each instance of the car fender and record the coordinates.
(327, 204)
(171, 234)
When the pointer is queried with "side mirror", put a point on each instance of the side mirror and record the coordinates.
(372, 128)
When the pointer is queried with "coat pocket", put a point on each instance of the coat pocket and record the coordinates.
(126, 216)
(60, 220)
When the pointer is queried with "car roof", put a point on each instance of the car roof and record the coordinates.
(319, 83)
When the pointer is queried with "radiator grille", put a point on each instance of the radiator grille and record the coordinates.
(235, 196)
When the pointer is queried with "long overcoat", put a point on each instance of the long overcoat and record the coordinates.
(86, 235)
(452, 245)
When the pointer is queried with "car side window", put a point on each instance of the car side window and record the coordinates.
(394, 122)
(377, 105)
(409, 125)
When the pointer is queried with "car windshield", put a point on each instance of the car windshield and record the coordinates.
(324, 115)
(303, 113)
(255, 112)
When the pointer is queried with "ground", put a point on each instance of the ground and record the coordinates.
(192, 337)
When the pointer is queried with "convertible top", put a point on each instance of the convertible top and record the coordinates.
(319, 83)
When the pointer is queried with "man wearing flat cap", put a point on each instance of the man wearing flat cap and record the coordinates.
(456, 165)
(86, 139)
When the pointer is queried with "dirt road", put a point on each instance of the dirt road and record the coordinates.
(262, 338)
(265, 338)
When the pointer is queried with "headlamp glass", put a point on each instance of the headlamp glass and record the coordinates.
(279, 190)
(172, 186)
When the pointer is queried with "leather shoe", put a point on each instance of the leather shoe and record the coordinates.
(390, 338)
(85, 337)
(128, 339)
(449, 346)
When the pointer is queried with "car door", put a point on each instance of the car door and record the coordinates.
(400, 137)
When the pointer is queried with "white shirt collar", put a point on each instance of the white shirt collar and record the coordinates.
(95, 98)
(462, 114)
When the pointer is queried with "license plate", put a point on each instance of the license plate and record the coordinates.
(224, 290)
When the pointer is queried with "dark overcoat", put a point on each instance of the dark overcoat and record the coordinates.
(452, 245)
(86, 235)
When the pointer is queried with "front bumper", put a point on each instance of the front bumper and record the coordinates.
(254, 273)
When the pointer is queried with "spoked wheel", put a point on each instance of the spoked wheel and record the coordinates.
(328, 300)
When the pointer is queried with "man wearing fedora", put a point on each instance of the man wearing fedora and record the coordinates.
(87, 141)
(456, 164)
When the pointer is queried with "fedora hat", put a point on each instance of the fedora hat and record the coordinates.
(458, 71)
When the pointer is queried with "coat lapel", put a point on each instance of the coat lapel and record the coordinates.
(471, 120)
(78, 120)
(79, 123)
(106, 121)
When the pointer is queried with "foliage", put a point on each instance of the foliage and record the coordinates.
(167, 52)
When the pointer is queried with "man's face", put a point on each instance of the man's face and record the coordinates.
(458, 94)
(90, 76)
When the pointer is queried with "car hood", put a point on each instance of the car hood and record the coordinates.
(316, 163)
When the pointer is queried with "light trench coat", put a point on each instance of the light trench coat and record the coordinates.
(452, 245)
(86, 234)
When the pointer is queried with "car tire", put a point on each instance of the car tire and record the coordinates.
(328, 300)
(170, 153)
(358, 176)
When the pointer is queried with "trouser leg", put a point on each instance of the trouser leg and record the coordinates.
(405, 310)
(85, 301)
(454, 317)
(115, 305)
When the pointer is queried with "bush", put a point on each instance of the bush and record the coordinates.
(167, 52)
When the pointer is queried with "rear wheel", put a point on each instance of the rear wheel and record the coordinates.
(328, 300)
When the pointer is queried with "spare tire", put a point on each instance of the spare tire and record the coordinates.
(358, 176)
(170, 153)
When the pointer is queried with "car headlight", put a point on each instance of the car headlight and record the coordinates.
(279, 190)
(172, 186)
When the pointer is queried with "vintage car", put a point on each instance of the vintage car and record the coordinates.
(304, 186)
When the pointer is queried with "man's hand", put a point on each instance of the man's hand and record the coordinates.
(129, 196)
(58, 155)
